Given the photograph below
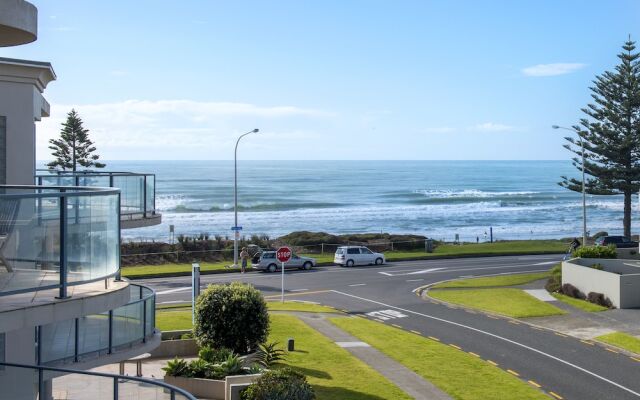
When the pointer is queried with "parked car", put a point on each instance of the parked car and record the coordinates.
(269, 263)
(357, 255)
(621, 242)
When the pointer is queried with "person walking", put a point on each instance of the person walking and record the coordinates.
(244, 256)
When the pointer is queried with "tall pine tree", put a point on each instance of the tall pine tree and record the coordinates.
(611, 134)
(74, 147)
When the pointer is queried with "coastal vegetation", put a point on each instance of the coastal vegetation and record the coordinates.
(73, 148)
(607, 135)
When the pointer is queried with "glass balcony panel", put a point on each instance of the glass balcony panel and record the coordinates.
(151, 193)
(150, 304)
(133, 390)
(131, 193)
(93, 334)
(29, 241)
(127, 324)
(57, 341)
(93, 180)
(83, 387)
(92, 237)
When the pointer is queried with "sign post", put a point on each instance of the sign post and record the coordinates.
(283, 255)
(195, 289)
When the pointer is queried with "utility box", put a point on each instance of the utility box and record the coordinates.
(428, 245)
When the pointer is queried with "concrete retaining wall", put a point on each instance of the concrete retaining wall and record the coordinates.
(176, 348)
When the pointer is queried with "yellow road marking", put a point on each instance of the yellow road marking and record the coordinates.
(296, 294)
(433, 338)
(635, 359)
(455, 347)
(495, 364)
(397, 326)
(534, 384)
(587, 342)
(514, 322)
(474, 354)
(559, 334)
(556, 395)
(416, 332)
(613, 351)
(512, 372)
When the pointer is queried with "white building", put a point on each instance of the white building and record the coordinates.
(62, 307)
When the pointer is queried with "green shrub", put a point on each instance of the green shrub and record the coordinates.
(596, 252)
(269, 354)
(555, 280)
(198, 368)
(209, 354)
(280, 384)
(232, 316)
(176, 367)
(599, 299)
(572, 291)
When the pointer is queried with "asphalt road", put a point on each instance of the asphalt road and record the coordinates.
(562, 366)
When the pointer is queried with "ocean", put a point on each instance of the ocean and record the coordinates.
(438, 199)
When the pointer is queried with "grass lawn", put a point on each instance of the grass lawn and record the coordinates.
(178, 317)
(502, 280)
(459, 374)
(577, 303)
(468, 249)
(510, 302)
(622, 340)
(332, 371)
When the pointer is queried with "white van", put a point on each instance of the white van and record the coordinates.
(357, 255)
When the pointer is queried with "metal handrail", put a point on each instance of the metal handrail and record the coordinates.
(116, 378)
(66, 191)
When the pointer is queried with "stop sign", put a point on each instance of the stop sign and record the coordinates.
(283, 254)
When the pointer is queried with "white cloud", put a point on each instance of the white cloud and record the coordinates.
(180, 129)
(492, 127)
(552, 69)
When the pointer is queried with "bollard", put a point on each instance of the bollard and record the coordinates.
(290, 344)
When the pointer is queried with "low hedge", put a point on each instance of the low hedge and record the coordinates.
(280, 384)
(596, 252)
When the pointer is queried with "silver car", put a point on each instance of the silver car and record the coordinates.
(268, 262)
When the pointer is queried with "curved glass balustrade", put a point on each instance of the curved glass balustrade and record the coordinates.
(33, 382)
(91, 336)
(53, 237)
(138, 191)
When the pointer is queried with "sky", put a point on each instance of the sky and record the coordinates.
(324, 80)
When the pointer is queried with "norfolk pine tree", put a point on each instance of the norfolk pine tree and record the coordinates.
(73, 147)
(611, 134)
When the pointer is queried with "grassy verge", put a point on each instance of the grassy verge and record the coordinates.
(459, 374)
(178, 317)
(445, 250)
(502, 280)
(510, 302)
(580, 304)
(332, 371)
(622, 340)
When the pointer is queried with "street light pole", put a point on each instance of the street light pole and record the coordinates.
(584, 195)
(236, 232)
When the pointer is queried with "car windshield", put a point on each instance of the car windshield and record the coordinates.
(340, 251)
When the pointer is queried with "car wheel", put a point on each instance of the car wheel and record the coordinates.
(349, 263)
(272, 268)
(307, 266)
(378, 261)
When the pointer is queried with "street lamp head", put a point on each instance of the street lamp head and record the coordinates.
(256, 130)
(555, 127)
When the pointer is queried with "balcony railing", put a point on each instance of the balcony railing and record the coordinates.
(137, 191)
(20, 381)
(92, 336)
(54, 237)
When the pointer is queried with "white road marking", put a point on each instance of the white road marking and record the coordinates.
(358, 284)
(385, 273)
(415, 280)
(174, 290)
(546, 263)
(497, 337)
(298, 290)
(386, 314)
(352, 344)
(172, 302)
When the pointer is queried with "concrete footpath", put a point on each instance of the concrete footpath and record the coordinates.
(407, 380)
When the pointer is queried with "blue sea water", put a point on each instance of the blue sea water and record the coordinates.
(519, 199)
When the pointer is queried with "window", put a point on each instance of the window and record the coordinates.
(366, 251)
(353, 251)
(340, 251)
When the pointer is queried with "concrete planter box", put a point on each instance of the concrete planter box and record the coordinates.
(210, 388)
(619, 280)
(176, 348)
